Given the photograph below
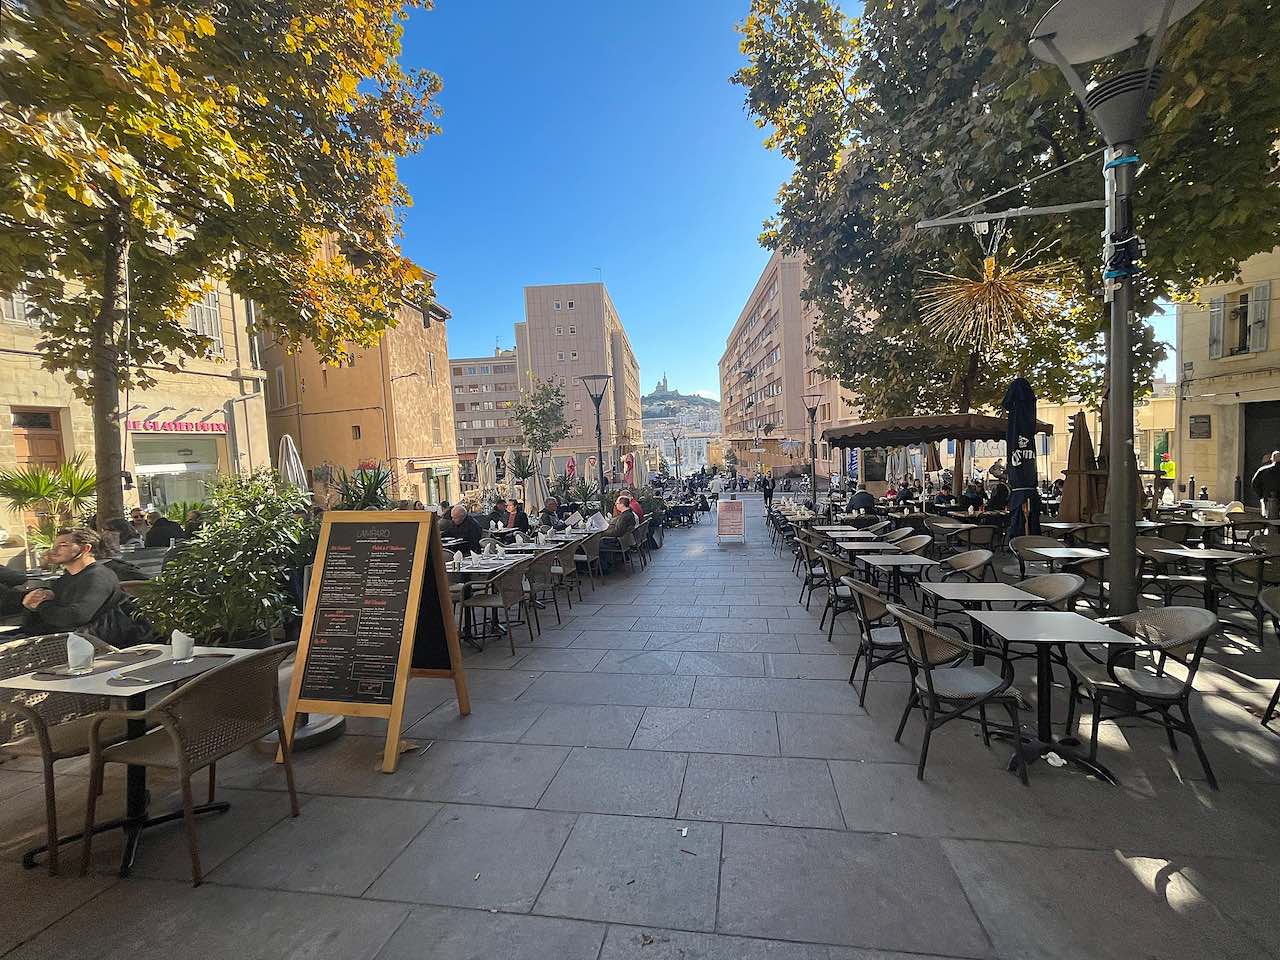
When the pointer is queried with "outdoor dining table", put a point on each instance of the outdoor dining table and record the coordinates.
(128, 679)
(970, 595)
(854, 535)
(893, 564)
(867, 546)
(835, 528)
(1056, 554)
(477, 571)
(1044, 629)
(1210, 557)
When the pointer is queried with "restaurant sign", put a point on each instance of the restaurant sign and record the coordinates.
(176, 426)
(1200, 427)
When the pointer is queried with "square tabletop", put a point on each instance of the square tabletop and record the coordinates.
(867, 546)
(963, 591)
(1047, 626)
(896, 560)
(96, 685)
(1067, 553)
(1202, 554)
(1064, 525)
(833, 528)
(845, 535)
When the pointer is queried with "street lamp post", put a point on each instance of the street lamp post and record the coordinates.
(1081, 31)
(811, 402)
(596, 384)
(675, 446)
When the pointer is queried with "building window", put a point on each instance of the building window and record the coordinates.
(355, 432)
(572, 330)
(13, 307)
(280, 399)
(559, 331)
(475, 406)
(573, 354)
(457, 371)
(205, 318)
(459, 388)
(560, 356)
(431, 368)
(570, 304)
(484, 371)
(557, 304)
(1236, 328)
(471, 371)
(459, 407)
(486, 388)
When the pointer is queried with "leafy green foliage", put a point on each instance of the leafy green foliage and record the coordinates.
(584, 490)
(230, 583)
(178, 510)
(169, 145)
(368, 488)
(539, 413)
(920, 107)
(55, 495)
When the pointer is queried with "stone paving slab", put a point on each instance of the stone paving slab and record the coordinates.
(635, 782)
(585, 725)
(773, 790)
(441, 933)
(707, 731)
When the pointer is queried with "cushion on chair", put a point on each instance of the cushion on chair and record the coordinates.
(153, 750)
(886, 637)
(965, 683)
(1094, 676)
(70, 739)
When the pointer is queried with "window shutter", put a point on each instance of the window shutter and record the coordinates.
(1259, 311)
(1217, 310)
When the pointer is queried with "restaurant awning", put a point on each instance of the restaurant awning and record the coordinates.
(900, 431)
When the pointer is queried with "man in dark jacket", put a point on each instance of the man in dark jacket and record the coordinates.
(464, 527)
(549, 517)
(1266, 486)
(862, 500)
(84, 591)
(163, 530)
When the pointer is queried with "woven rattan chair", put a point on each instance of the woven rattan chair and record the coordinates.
(815, 573)
(1245, 579)
(51, 726)
(541, 582)
(1270, 600)
(916, 544)
(1097, 535)
(1021, 547)
(879, 641)
(1241, 529)
(206, 719)
(839, 594)
(1161, 572)
(1146, 690)
(894, 536)
(642, 542)
(588, 554)
(879, 526)
(1176, 531)
(945, 691)
(506, 591)
(1265, 543)
(565, 571)
(981, 536)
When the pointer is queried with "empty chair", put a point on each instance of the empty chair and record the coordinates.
(1022, 547)
(208, 718)
(917, 544)
(1241, 528)
(970, 565)
(1265, 543)
(1163, 572)
(1245, 579)
(1146, 689)
(1097, 535)
(506, 591)
(1094, 571)
(588, 554)
(879, 526)
(51, 726)
(1176, 531)
(642, 541)
(879, 640)
(541, 584)
(983, 535)
(944, 690)
(565, 571)
(839, 594)
(894, 536)
(1057, 591)
(815, 573)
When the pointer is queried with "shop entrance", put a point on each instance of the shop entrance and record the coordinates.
(1261, 436)
(174, 469)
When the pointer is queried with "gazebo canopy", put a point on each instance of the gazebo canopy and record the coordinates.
(901, 431)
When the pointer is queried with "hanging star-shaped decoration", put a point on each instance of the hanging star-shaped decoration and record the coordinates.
(986, 310)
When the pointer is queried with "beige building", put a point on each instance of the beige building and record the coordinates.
(1154, 420)
(571, 330)
(768, 367)
(484, 391)
(206, 419)
(1228, 414)
(390, 404)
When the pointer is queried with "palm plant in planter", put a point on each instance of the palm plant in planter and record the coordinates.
(55, 495)
(231, 584)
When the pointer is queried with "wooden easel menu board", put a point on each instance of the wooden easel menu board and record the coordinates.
(730, 520)
(377, 612)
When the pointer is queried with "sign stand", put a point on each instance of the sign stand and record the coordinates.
(377, 613)
(730, 520)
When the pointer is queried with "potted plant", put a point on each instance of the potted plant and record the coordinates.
(368, 488)
(230, 585)
(55, 495)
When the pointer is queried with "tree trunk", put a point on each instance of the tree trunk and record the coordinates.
(966, 401)
(105, 372)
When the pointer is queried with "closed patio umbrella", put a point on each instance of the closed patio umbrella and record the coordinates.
(1078, 491)
(1020, 446)
(932, 462)
(289, 463)
(533, 491)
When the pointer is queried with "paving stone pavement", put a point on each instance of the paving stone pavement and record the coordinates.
(680, 771)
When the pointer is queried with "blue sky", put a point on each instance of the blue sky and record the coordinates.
(581, 135)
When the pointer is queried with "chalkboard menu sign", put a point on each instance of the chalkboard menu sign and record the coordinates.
(377, 612)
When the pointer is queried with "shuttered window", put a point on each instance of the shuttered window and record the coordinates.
(1259, 314)
(1217, 310)
(205, 318)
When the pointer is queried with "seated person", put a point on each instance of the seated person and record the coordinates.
(905, 492)
(138, 522)
(86, 590)
(999, 499)
(462, 526)
(11, 579)
(123, 532)
(550, 515)
(633, 504)
(499, 515)
(862, 500)
(517, 519)
(163, 530)
(944, 497)
(625, 521)
(195, 520)
(973, 496)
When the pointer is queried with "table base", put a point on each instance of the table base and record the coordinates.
(132, 834)
(1032, 750)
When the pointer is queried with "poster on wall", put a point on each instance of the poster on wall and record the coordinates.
(1200, 427)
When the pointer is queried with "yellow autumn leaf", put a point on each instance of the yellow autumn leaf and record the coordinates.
(204, 26)
(1196, 96)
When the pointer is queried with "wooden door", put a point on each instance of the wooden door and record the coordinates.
(37, 438)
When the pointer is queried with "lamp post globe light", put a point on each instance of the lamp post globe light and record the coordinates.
(596, 384)
(811, 402)
(1081, 31)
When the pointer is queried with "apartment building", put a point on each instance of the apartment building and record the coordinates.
(484, 391)
(1154, 419)
(571, 330)
(391, 403)
(204, 419)
(763, 371)
(1228, 405)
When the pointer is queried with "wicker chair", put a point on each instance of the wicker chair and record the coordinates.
(51, 726)
(506, 591)
(1145, 690)
(642, 542)
(1245, 579)
(1270, 600)
(916, 544)
(965, 565)
(945, 691)
(211, 717)
(879, 642)
(1163, 572)
(815, 573)
(981, 536)
(895, 536)
(1021, 547)
(839, 595)
(1241, 529)
(1096, 535)
(1057, 591)
(1265, 543)
(1177, 531)
(879, 526)
(541, 583)
(588, 554)
(565, 571)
